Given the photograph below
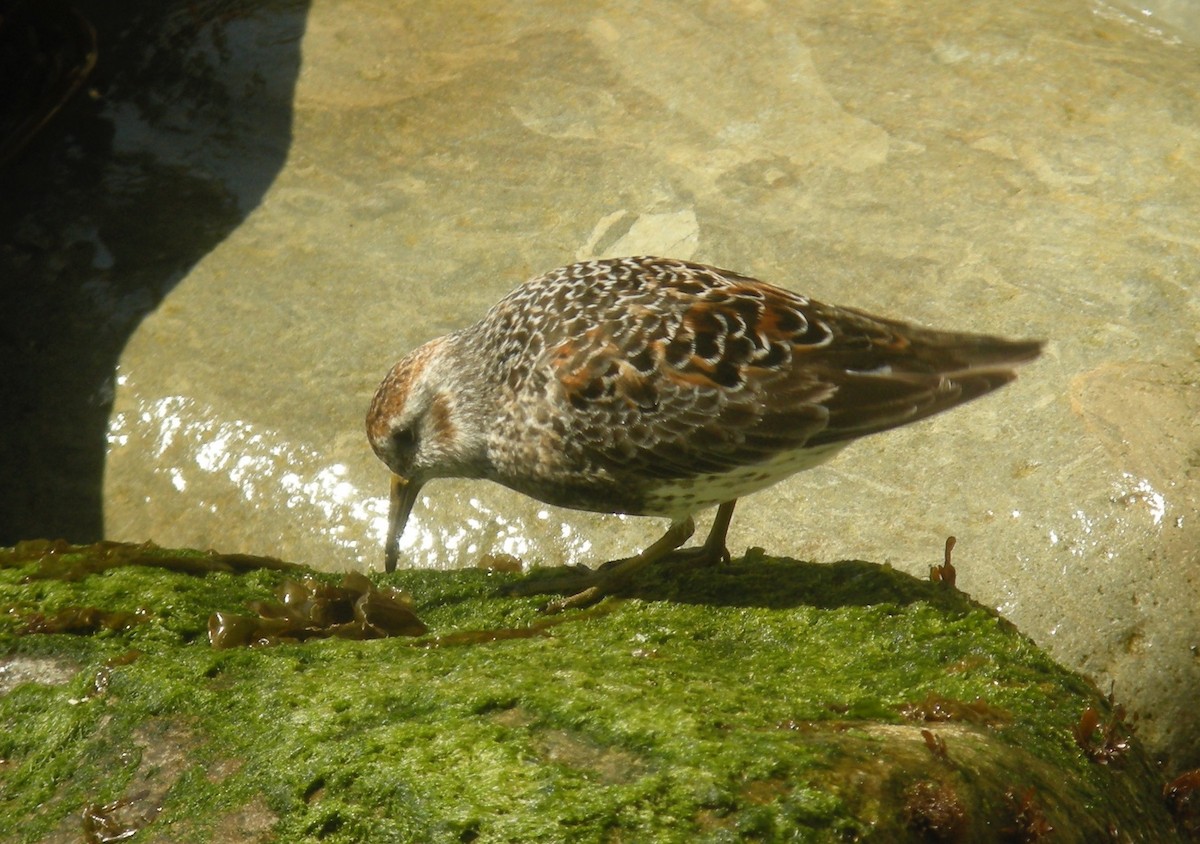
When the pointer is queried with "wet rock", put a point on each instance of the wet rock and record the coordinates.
(767, 699)
(256, 241)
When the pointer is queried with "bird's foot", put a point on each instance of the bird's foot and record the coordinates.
(585, 586)
(582, 586)
(615, 576)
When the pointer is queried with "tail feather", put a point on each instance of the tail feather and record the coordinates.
(941, 371)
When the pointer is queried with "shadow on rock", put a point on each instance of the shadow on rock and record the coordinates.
(152, 158)
(760, 580)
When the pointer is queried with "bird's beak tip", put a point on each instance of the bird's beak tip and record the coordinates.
(404, 495)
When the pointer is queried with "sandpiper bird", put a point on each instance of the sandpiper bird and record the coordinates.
(659, 387)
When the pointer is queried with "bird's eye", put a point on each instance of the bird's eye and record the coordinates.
(404, 440)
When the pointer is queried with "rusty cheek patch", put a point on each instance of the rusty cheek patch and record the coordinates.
(439, 417)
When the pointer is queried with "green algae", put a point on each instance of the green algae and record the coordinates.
(764, 700)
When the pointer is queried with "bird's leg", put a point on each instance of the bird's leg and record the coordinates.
(714, 549)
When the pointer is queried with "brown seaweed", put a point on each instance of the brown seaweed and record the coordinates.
(1107, 744)
(1029, 823)
(1183, 800)
(936, 707)
(58, 559)
(82, 621)
(945, 573)
(311, 609)
(933, 811)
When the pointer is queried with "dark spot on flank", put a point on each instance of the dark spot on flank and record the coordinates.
(707, 346)
(690, 286)
(814, 333)
(790, 322)
(641, 392)
(678, 351)
(727, 374)
(643, 361)
(739, 348)
(777, 355)
(592, 390)
(747, 311)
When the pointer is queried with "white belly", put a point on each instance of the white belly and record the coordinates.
(680, 498)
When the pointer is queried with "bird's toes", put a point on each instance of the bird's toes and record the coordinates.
(556, 580)
(582, 586)
(583, 598)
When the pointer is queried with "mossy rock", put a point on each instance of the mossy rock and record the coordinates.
(763, 700)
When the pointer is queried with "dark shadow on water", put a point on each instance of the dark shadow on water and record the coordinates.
(168, 145)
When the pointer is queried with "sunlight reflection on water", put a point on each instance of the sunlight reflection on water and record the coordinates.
(222, 463)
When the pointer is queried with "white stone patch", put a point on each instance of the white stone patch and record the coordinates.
(673, 233)
(1139, 490)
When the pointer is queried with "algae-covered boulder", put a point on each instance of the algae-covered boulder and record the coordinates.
(764, 700)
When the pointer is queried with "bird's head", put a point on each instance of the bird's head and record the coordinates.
(423, 423)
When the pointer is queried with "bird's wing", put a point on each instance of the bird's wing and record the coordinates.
(699, 371)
